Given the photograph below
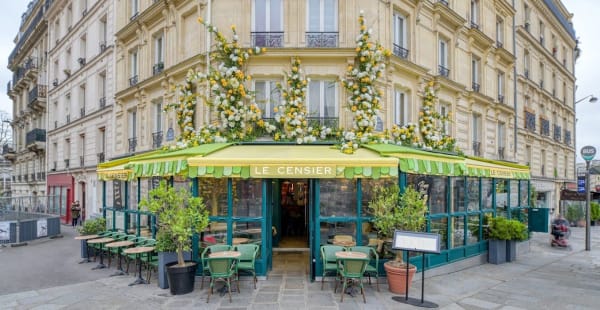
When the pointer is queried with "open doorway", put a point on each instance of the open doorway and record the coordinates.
(294, 214)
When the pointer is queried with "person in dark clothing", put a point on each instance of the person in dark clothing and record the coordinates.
(75, 213)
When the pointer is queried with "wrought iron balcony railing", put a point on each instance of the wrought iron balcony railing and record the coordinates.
(35, 135)
(157, 138)
(267, 39)
(132, 145)
(133, 80)
(443, 71)
(158, 68)
(476, 87)
(322, 39)
(101, 158)
(501, 152)
(400, 51)
(102, 102)
(477, 148)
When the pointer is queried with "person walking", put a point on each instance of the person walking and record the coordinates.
(75, 213)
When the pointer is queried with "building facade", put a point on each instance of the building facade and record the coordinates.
(81, 70)
(28, 91)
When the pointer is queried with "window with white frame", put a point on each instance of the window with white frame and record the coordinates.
(542, 32)
(476, 134)
(322, 22)
(267, 23)
(268, 97)
(158, 49)
(132, 123)
(500, 86)
(102, 85)
(82, 49)
(134, 8)
(501, 134)
(103, 30)
(158, 114)
(82, 95)
(69, 17)
(400, 44)
(528, 155)
(499, 31)
(322, 101)
(133, 63)
(542, 73)
(475, 13)
(543, 162)
(445, 113)
(526, 63)
(475, 67)
(565, 165)
(443, 57)
(401, 108)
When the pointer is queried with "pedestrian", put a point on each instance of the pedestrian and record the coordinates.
(75, 213)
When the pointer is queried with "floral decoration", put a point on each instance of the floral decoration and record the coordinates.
(291, 115)
(431, 124)
(364, 100)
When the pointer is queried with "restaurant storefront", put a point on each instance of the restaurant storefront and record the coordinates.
(303, 196)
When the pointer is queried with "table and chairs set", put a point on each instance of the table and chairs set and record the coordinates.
(349, 264)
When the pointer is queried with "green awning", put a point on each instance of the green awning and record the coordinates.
(421, 162)
(117, 169)
(480, 167)
(292, 161)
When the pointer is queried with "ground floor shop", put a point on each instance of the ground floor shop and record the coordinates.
(298, 198)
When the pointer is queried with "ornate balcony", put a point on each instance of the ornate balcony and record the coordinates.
(501, 153)
(133, 80)
(132, 144)
(81, 161)
(476, 87)
(443, 71)
(157, 138)
(102, 102)
(477, 148)
(8, 152)
(37, 98)
(82, 112)
(400, 51)
(101, 157)
(35, 140)
(158, 68)
(267, 39)
(501, 99)
(322, 39)
(66, 163)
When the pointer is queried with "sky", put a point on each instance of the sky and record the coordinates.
(587, 70)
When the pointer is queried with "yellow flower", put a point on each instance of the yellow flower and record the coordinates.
(233, 27)
(263, 49)
(200, 20)
(350, 68)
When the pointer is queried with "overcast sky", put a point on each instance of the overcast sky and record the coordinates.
(586, 14)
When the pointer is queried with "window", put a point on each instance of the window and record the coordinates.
(542, 30)
(476, 135)
(443, 57)
(565, 165)
(267, 23)
(499, 32)
(401, 108)
(82, 100)
(400, 46)
(501, 86)
(322, 23)
(543, 163)
(322, 102)
(83, 50)
(132, 123)
(445, 113)
(57, 30)
(528, 155)
(102, 33)
(475, 13)
(134, 9)
(67, 70)
(133, 63)
(159, 64)
(69, 17)
(82, 150)
(553, 84)
(267, 97)
(527, 13)
(475, 65)
(101, 140)
(526, 63)
(158, 115)
(501, 134)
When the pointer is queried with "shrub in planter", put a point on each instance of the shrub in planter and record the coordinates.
(91, 227)
(394, 210)
(503, 235)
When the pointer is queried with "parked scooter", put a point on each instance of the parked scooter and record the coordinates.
(560, 233)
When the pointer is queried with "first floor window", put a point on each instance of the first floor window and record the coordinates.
(401, 109)
(322, 99)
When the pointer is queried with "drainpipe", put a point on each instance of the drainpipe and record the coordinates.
(514, 32)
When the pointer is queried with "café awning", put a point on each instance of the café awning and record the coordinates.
(421, 162)
(292, 161)
(117, 169)
(480, 167)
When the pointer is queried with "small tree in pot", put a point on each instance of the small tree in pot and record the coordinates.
(394, 210)
(179, 215)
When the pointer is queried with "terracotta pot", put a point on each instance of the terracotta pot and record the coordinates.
(396, 277)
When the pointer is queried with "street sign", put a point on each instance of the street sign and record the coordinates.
(588, 152)
(581, 184)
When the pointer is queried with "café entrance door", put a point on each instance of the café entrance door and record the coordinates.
(291, 221)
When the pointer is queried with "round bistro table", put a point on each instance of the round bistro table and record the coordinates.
(119, 245)
(138, 251)
(84, 239)
(100, 241)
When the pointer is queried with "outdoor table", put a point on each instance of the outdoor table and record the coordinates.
(233, 254)
(138, 251)
(84, 239)
(237, 241)
(344, 243)
(350, 254)
(101, 241)
(119, 245)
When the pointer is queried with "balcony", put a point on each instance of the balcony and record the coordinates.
(501, 153)
(66, 163)
(35, 140)
(474, 25)
(542, 84)
(476, 148)
(53, 166)
(8, 87)
(68, 118)
(32, 177)
(37, 98)
(132, 144)
(567, 137)
(102, 47)
(133, 80)
(444, 2)
(557, 133)
(81, 161)
(331, 122)
(81, 61)
(41, 176)
(8, 152)
(501, 99)
(267, 39)
(101, 157)
(157, 68)
(499, 44)
(527, 27)
(400, 51)
(545, 127)
(476, 87)
(157, 138)
(526, 74)
(55, 82)
(82, 112)
(322, 39)
(102, 102)
(443, 71)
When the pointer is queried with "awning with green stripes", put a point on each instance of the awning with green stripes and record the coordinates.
(480, 167)
(170, 163)
(117, 169)
(292, 161)
(421, 162)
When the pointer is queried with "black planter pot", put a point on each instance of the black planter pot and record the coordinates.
(181, 279)
(165, 258)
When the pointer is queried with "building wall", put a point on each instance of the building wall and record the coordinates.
(81, 68)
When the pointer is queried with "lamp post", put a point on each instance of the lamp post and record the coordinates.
(587, 152)
(591, 96)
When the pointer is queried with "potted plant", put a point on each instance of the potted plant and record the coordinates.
(178, 215)
(91, 227)
(503, 235)
(167, 253)
(394, 210)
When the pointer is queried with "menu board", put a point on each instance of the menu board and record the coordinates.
(416, 241)
(117, 195)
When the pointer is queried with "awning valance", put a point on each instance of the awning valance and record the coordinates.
(117, 169)
(421, 162)
(292, 161)
(479, 167)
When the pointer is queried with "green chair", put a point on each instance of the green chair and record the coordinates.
(221, 269)
(114, 251)
(207, 250)
(352, 270)
(373, 265)
(329, 260)
(246, 260)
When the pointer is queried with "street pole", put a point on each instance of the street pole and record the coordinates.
(587, 206)
(587, 152)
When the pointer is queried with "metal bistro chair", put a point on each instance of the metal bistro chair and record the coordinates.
(204, 256)
(352, 270)
(221, 269)
(373, 265)
(246, 260)
(329, 260)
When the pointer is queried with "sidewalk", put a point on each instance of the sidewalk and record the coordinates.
(544, 278)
